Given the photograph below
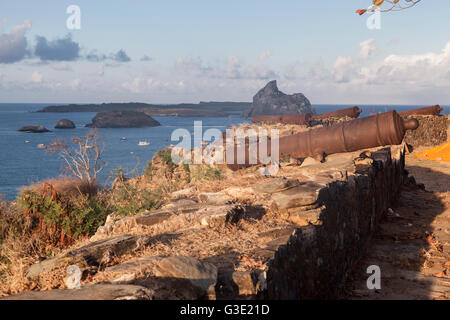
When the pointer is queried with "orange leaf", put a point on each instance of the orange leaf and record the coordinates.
(361, 11)
(439, 275)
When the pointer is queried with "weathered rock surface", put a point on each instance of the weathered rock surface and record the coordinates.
(176, 277)
(93, 254)
(89, 292)
(276, 185)
(271, 101)
(123, 119)
(201, 275)
(305, 194)
(217, 198)
(65, 124)
(34, 129)
(240, 285)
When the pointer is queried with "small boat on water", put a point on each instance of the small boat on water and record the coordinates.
(41, 146)
(123, 139)
(143, 143)
(27, 141)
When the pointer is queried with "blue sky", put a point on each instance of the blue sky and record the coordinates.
(223, 50)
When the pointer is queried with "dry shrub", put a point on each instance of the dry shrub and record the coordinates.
(67, 209)
(66, 186)
(48, 217)
(20, 246)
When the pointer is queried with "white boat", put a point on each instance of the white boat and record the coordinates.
(143, 143)
(27, 141)
(123, 139)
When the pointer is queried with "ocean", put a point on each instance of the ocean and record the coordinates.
(23, 163)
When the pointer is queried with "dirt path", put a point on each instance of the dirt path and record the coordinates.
(412, 245)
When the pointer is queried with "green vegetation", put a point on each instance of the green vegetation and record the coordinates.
(129, 200)
(201, 173)
(148, 169)
(166, 157)
(63, 216)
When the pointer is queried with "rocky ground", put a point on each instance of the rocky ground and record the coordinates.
(220, 239)
(214, 241)
(412, 245)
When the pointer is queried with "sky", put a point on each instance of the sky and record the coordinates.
(207, 50)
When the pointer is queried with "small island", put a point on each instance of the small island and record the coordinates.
(122, 119)
(34, 129)
(65, 124)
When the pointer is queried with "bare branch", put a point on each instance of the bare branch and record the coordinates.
(83, 157)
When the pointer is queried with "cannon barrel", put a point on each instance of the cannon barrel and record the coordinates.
(348, 112)
(379, 130)
(428, 111)
(298, 119)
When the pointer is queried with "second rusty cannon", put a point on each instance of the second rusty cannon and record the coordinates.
(348, 112)
(305, 119)
(379, 130)
(298, 119)
(428, 111)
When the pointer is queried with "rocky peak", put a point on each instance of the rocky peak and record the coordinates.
(271, 101)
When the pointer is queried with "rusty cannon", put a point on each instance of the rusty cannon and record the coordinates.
(428, 111)
(305, 119)
(348, 112)
(379, 130)
(298, 119)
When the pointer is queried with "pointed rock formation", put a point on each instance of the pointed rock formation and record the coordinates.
(271, 101)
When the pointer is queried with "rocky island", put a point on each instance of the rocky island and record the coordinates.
(122, 119)
(271, 101)
(65, 124)
(34, 129)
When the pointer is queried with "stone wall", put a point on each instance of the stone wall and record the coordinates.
(316, 259)
(432, 131)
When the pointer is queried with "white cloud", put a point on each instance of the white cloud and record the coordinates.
(368, 48)
(37, 77)
(13, 45)
(406, 79)
(232, 68)
(344, 69)
(75, 84)
(134, 86)
(101, 70)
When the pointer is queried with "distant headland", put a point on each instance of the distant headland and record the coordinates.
(202, 109)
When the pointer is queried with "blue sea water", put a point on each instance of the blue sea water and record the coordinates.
(23, 163)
